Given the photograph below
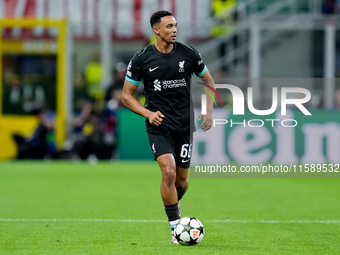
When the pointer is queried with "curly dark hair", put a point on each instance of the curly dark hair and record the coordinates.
(156, 17)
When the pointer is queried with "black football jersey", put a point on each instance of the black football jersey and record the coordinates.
(166, 79)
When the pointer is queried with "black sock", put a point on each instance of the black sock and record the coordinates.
(172, 212)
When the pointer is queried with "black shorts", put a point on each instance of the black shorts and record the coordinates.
(177, 144)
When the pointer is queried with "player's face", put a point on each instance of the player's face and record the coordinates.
(168, 29)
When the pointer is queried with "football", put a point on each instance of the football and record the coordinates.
(189, 231)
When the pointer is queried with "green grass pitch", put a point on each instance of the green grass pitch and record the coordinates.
(115, 208)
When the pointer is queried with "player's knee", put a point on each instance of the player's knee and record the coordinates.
(169, 175)
(181, 182)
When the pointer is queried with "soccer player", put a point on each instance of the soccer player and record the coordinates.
(166, 68)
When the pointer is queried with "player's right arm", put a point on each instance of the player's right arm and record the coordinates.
(129, 101)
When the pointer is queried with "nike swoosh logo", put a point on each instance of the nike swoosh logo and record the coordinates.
(153, 69)
(185, 160)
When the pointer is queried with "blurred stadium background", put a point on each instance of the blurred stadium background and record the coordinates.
(62, 65)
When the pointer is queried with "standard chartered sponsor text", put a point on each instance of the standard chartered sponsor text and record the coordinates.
(170, 84)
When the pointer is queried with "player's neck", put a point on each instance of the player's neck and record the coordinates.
(164, 47)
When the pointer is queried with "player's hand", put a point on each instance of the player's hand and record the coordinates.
(156, 118)
(207, 121)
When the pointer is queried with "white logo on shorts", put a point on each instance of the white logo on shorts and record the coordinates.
(153, 148)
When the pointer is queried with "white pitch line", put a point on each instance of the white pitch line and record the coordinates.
(81, 220)
(155, 221)
(278, 221)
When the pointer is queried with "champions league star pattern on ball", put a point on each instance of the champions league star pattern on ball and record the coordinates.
(189, 231)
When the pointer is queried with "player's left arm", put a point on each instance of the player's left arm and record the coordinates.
(201, 71)
(207, 119)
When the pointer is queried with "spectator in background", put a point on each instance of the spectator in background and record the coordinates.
(337, 100)
(42, 142)
(108, 116)
(33, 93)
(224, 15)
(114, 90)
(80, 142)
(93, 78)
(330, 7)
(23, 94)
(87, 139)
(11, 93)
(337, 57)
(80, 95)
(108, 127)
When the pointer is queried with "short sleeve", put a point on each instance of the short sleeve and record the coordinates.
(198, 66)
(134, 70)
